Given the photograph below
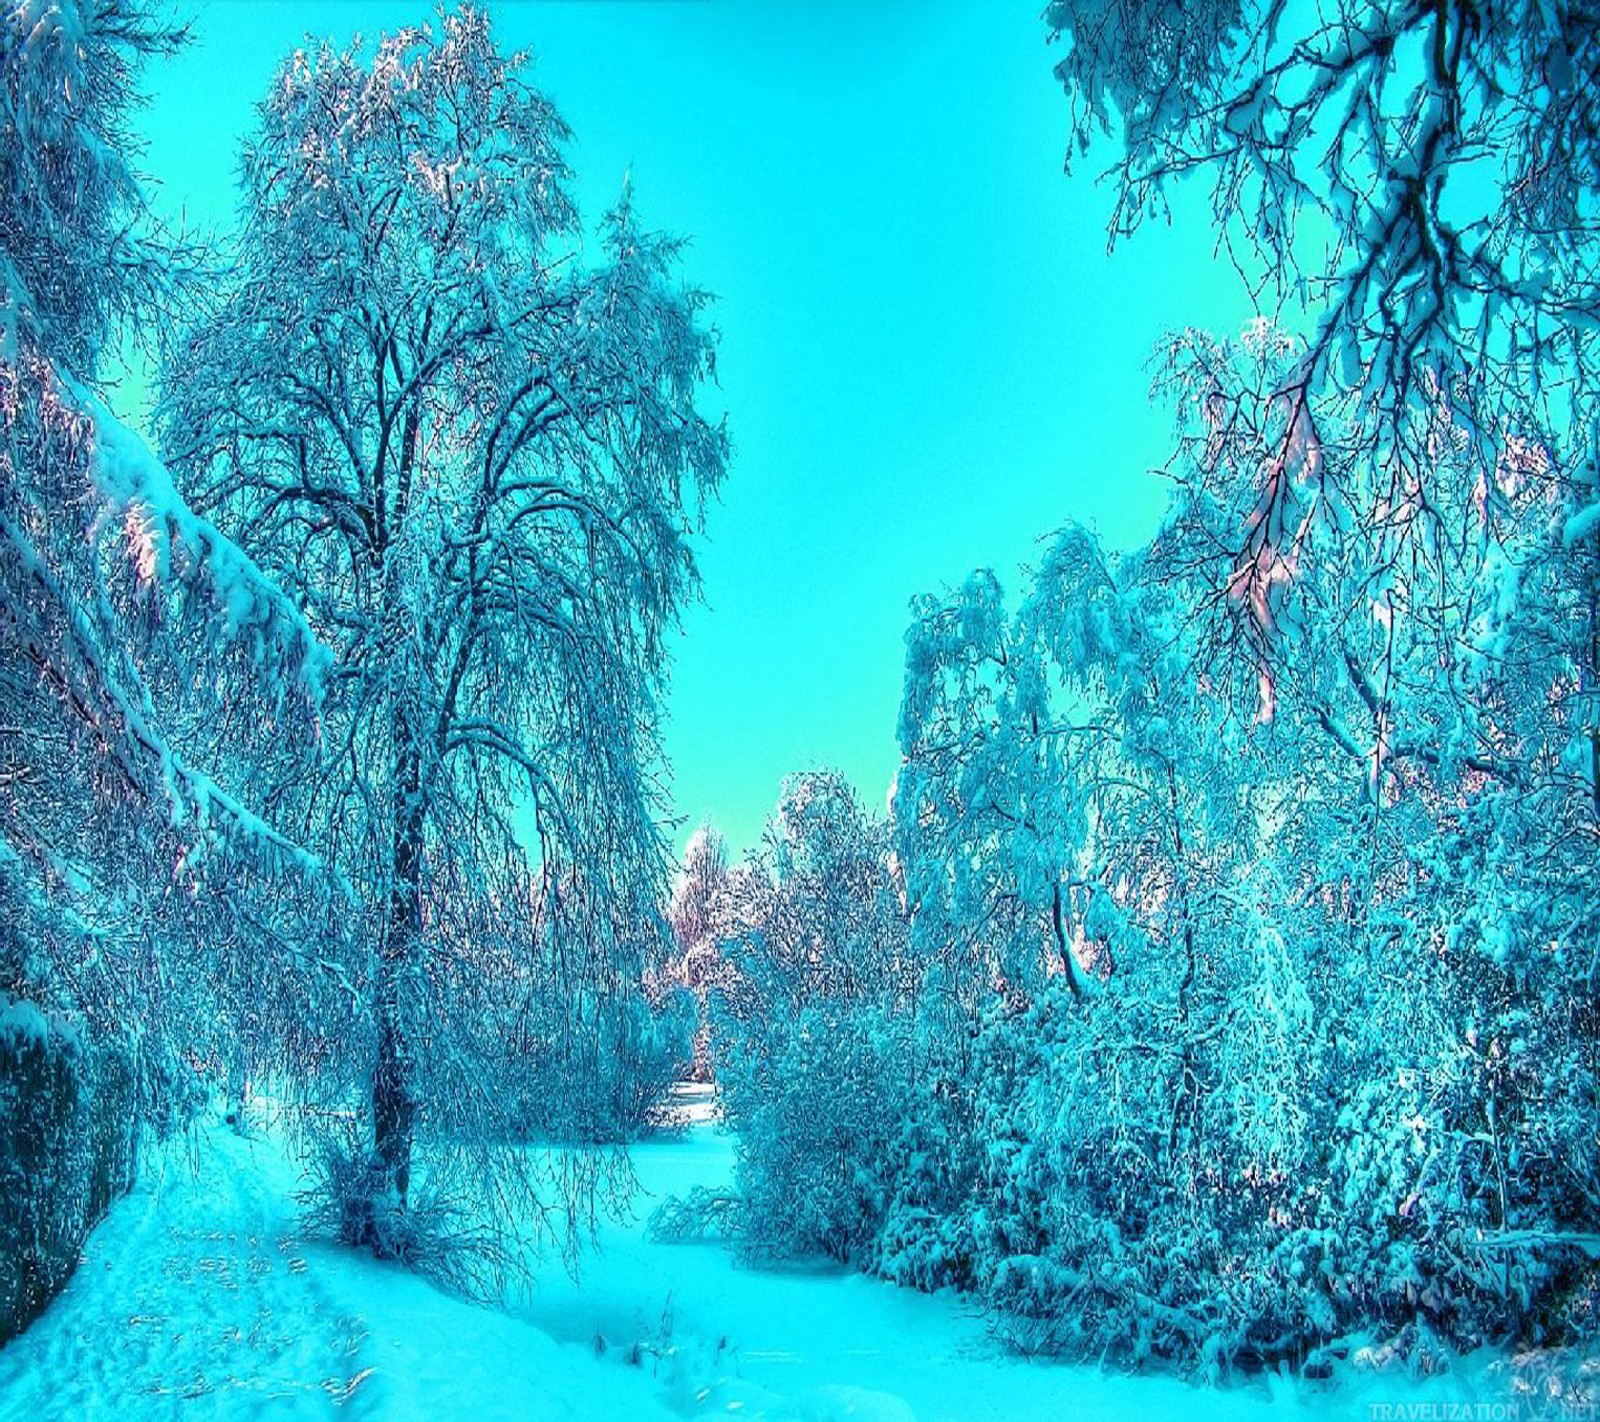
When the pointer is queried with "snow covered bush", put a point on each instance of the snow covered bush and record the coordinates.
(69, 1127)
(657, 1049)
(441, 1231)
(1265, 906)
(640, 1048)
(816, 1105)
(927, 1239)
(811, 1029)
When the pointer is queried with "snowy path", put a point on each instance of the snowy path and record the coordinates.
(195, 1295)
(198, 1299)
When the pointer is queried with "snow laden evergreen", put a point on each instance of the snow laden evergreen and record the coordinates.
(150, 670)
(472, 450)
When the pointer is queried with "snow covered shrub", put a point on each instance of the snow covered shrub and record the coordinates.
(1323, 1151)
(1445, 1208)
(927, 1238)
(1080, 1229)
(438, 1229)
(69, 1129)
(701, 1215)
(1394, 1247)
(659, 1046)
(817, 1107)
(811, 1029)
(631, 1052)
(1249, 1191)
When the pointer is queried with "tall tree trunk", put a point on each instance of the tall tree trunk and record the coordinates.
(393, 1105)
(393, 1102)
(1186, 1101)
(1592, 671)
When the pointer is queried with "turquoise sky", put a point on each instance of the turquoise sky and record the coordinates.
(929, 360)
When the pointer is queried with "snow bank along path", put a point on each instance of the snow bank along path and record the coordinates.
(198, 1298)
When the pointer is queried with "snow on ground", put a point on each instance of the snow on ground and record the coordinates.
(829, 1338)
(198, 1298)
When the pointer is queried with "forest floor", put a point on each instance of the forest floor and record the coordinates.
(199, 1297)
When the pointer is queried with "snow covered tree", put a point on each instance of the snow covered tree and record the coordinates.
(964, 739)
(1389, 526)
(831, 924)
(1423, 174)
(148, 665)
(1086, 804)
(149, 671)
(478, 460)
(1421, 180)
(1442, 701)
(1335, 1011)
(81, 255)
(699, 914)
(698, 896)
